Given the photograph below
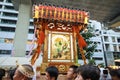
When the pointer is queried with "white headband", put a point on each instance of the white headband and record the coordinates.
(25, 72)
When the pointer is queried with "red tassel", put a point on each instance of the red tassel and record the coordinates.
(40, 41)
(41, 37)
(83, 55)
(81, 42)
(34, 57)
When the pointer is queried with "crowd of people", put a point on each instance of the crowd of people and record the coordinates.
(83, 72)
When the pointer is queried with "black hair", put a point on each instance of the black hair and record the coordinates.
(11, 73)
(115, 72)
(74, 67)
(52, 71)
(105, 71)
(89, 72)
(2, 73)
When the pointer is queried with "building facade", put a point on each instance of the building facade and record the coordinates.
(8, 20)
(111, 46)
(108, 44)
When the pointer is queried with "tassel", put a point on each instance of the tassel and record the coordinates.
(81, 42)
(83, 55)
(41, 37)
(35, 56)
(40, 41)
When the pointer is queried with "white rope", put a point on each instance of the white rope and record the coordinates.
(13, 51)
(34, 68)
(32, 45)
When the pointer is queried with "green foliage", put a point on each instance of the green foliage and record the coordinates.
(101, 65)
(91, 62)
(90, 45)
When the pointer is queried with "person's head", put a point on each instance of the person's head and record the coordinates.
(11, 73)
(2, 73)
(71, 74)
(24, 72)
(115, 74)
(51, 73)
(88, 72)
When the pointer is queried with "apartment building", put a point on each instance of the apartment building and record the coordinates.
(8, 19)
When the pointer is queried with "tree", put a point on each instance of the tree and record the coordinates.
(89, 50)
(91, 62)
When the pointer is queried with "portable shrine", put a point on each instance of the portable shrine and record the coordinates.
(57, 32)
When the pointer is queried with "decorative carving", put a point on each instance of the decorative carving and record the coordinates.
(43, 67)
(62, 68)
(60, 27)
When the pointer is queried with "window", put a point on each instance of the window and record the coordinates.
(27, 52)
(97, 58)
(0, 6)
(116, 55)
(107, 46)
(8, 1)
(8, 40)
(31, 31)
(113, 39)
(115, 47)
(9, 7)
(5, 51)
(10, 14)
(118, 39)
(1, 0)
(31, 23)
(96, 50)
(99, 43)
(7, 29)
(29, 42)
(104, 32)
(106, 38)
(119, 47)
(95, 42)
(8, 21)
(100, 50)
(1, 40)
